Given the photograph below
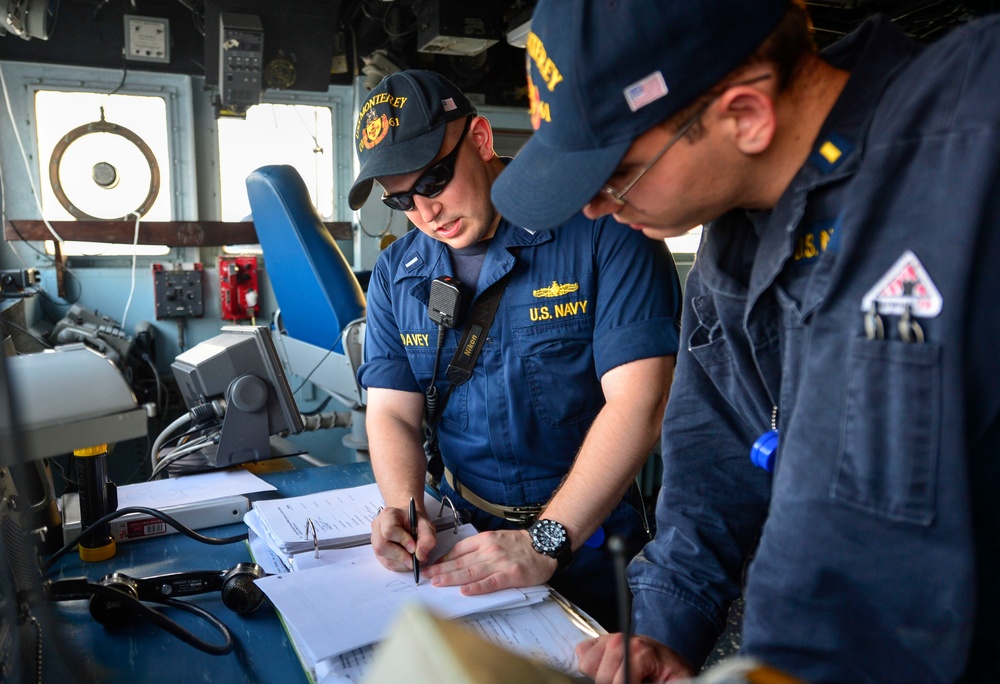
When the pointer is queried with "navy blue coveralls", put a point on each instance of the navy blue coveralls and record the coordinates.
(878, 533)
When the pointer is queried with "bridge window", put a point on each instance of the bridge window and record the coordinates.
(297, 135)
(103, 156)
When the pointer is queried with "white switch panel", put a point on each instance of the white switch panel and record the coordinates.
(147, 39)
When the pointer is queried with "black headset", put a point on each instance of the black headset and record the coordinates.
(117, 599)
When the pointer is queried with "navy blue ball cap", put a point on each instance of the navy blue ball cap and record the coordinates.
(603, 72)
(401, 126)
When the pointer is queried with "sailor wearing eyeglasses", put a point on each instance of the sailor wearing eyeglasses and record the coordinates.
(541, 445)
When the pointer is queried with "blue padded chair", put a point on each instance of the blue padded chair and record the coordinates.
(320, 327)
(315, 287)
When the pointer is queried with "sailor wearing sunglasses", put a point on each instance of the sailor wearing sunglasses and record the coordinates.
(563, 404)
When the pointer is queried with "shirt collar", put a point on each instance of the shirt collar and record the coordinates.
(874, 54)
(426, 257)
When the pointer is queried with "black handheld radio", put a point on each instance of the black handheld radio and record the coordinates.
(444, 301)
(442, 308)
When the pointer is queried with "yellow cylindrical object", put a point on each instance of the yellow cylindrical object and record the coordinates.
(96, 500)
(97, 450)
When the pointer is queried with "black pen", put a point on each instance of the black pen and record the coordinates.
(413, 531)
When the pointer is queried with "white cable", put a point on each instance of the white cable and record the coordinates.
(24, 157)
(158, 442)
(182, 451)
(172, 457)
(135, 247)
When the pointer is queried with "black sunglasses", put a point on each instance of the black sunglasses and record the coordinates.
(434, 180)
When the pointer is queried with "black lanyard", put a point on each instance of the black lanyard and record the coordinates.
(480, 320)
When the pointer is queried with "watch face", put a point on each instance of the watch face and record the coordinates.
(548, 536)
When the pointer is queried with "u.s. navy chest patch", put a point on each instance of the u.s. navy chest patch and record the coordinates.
(812, 243)
(560, 309)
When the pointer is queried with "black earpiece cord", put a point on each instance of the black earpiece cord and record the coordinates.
(187, 531)
(79, 589)
(187, 637)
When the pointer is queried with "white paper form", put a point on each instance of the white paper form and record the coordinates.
(542, 632)
(339, 607)
(189, 489)
(264, 556)
(304, 561)
(342, 517)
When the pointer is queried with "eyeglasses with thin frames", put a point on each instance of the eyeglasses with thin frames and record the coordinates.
(618, 196)
(432, 182)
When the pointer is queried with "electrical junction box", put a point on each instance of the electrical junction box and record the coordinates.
(238, 293)
(458, 27)
(241, 60)
(147, 39)
(178, 292)
(15, 282)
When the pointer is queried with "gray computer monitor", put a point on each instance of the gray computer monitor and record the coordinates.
(241, 367)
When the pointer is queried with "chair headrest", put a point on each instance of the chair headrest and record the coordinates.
(316, 289)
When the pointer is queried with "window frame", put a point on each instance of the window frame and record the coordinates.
(337, 99)
(24, 80)
(329, 153)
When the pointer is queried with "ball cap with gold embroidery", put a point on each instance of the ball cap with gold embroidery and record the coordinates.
(600, 74)
(402, 125)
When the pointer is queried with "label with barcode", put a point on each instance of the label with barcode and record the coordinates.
(146, 527)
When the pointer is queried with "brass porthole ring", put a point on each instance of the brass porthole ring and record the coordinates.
(103, 126)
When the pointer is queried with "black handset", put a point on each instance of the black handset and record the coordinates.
(445, 300)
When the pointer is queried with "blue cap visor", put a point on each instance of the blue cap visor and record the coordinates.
(542, 188)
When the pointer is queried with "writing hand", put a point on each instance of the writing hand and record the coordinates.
(491, 561)
(649, 660)
(392, 542)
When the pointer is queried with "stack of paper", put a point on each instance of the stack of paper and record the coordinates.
(338, 518)
(336, 599)
(346, 599)
(544, 632)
